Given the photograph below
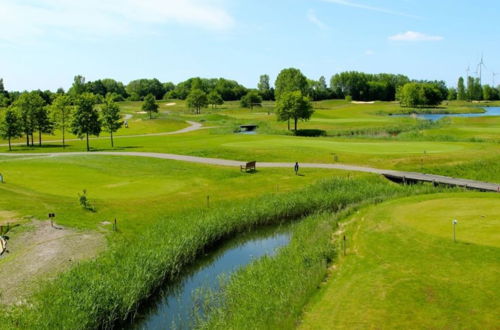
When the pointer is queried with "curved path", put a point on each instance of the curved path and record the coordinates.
(193, 126)
(390, 174)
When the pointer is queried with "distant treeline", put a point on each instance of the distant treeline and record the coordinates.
(350, 84)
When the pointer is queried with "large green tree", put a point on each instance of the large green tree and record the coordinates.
(290, 80)
(61, 114)
(149, 105)
(86, 119)
(264, 87)
(461, 92)
(214, 99)
(416, 94)
(197, 100)
(78, 87)
(43, 123)
(293, 105)
(140, 88)
(28, 106)
(251, 99)
(111, 119)
(10, 126)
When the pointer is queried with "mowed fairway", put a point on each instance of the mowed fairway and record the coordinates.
(403, 270)
(119, 186)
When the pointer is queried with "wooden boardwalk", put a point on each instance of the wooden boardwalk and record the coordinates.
(398, 176)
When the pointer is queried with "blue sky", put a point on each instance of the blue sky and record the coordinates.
(44, 43)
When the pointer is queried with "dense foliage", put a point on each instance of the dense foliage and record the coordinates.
(417, 95)
(367, 87)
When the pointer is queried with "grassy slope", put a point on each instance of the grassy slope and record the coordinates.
(119, 186)
(102, 291)
(404, 271)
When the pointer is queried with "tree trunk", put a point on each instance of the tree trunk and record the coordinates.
(27, 140)
(88, 146)
(39, 138)
(32, 140)
(288, 123)
(112, 145)
(295, 123)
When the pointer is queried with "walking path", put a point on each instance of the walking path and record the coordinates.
(193, 126)
(390, 174)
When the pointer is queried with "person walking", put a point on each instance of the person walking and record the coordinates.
(296, 168)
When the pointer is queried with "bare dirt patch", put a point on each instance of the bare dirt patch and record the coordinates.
(7, 217)
(40, 253)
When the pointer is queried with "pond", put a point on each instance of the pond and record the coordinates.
(173, 307)
(490, 111)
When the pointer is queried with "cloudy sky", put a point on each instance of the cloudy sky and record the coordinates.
(44, 43)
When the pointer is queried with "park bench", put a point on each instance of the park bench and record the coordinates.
(250, 166)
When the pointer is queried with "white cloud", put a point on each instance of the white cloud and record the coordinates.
(311, 16)
(349, 3)
(414, 36)
(96, 18)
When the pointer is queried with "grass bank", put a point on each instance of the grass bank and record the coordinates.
(271, 292)
(101, 292)
(404, 271)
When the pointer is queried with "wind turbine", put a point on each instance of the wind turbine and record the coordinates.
(480, 69)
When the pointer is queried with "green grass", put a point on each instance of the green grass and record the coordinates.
(103, 291)
(271, 292)
(403, 269)
(119, 186)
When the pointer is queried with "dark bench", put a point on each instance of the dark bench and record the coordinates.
(250, 166)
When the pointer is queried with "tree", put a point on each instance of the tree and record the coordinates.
(86, 118)
(452, 94)
(61, 114)
(293, 105)
(10, 127)
(78, 86)
(43, 124)
(251, 99)
(150, 105)
(461, 93)
(290, 80)
(264, 88)
(143, 87)
(111, 117)
(416, 94)
(28, 105)
(2, 87)
(197, 99)
(215, 99)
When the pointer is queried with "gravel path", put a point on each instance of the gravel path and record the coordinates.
(193, 126)
(392, 174)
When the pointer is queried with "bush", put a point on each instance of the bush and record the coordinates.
(310, 132)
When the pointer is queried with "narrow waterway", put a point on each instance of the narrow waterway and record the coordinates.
(173, 307)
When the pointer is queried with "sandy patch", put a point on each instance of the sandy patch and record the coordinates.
(41, 253)
(8, 217)
(363, 102)
(170, 104)
(141, 112)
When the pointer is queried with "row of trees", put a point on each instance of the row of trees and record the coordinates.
(30, 114)
(474, 91)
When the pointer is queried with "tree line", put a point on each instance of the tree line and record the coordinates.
(31, 115)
